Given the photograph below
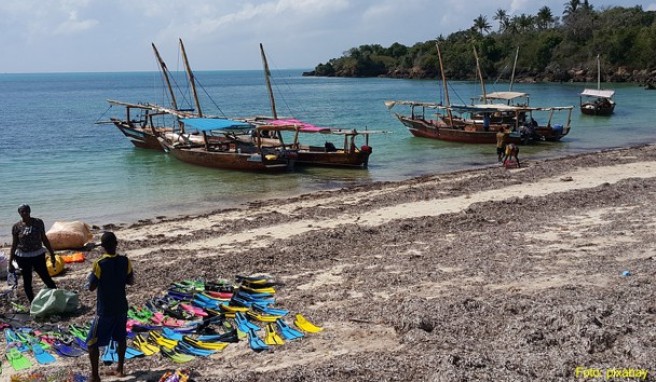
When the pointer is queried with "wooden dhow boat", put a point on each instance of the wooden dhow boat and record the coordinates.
(597, 101)
(220, 148)
(310, 152)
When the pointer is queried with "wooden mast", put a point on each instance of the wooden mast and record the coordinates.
(598, 73)
(267, 78)
(192, 79)
(512, 77)
(446, 88)
(480, 76)
(165, 72)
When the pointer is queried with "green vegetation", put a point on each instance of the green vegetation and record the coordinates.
(550, 48)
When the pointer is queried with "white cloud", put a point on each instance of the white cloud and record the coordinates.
(73, 25)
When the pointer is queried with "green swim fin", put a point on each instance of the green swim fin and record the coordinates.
(17, 360)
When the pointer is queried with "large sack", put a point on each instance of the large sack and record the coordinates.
(65, 235)
(54, 301)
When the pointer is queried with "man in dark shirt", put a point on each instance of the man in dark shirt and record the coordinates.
(27, 248)
(109, 276)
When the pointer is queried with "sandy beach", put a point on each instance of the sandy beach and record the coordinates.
(542, 273)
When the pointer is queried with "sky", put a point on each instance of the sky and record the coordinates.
(116, 35)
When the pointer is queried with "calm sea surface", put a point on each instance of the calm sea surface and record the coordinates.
(54, 157)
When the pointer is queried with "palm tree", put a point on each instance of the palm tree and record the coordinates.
(571, 7)
(502, 17)
(481, 24)
(544, 18)
(524, 22)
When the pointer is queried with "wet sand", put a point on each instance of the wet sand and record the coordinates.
(489, 274)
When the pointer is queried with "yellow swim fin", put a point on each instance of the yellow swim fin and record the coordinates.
(305, 325)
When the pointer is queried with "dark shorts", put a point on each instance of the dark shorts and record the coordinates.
(500, 150)
(103, 329)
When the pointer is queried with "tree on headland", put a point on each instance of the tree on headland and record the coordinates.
(481, 24)
(502, 17)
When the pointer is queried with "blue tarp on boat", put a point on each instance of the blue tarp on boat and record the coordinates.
(208, 124)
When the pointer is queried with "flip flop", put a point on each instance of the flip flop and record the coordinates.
(255, 342)
(17, 360)
(305, 325)
(41, 356)
(271, 337)
(287, 332)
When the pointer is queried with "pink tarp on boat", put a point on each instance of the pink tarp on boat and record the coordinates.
(304, 126)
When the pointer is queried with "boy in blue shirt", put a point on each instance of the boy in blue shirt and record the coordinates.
(109, 276)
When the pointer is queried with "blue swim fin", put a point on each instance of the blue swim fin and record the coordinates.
(41, 356)
(256, 342)
(287, 332)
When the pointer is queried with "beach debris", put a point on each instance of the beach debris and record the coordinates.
(626, 273)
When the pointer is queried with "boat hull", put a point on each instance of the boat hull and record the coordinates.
(435, 130)
(139, 137)
(591, 109)
(340, 158)
(230, 160)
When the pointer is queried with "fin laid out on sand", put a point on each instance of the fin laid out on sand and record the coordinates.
(287, 332)
(131, 352)
(17, 360)
(256, 342)
(305, 325)
(67, 350)
(207, 345)
(41, 356)
(177, 357)
(147, 348)
(271, 337)
(186, 348)
(110, 355)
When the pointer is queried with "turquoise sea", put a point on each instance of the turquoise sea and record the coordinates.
(54, 157)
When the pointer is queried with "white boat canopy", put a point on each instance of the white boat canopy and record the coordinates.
(598, 93)
(507, 96)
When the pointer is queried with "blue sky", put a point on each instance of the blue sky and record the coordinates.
(115, 35)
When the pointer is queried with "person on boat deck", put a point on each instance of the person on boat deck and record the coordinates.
(502, 134)
(27, 248)
(110, 275)
(486, 121)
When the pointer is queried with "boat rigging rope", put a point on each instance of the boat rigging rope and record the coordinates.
(103, 114)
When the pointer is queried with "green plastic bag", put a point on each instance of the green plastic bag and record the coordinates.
(54, 301)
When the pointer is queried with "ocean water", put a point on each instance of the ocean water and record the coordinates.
(54, 156)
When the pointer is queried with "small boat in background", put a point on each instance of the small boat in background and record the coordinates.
(597, 101)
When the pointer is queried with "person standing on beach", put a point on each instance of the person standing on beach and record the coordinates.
(110, 275)
(27, 248)
(501, 143)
